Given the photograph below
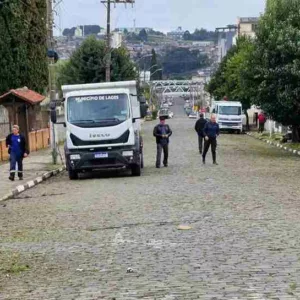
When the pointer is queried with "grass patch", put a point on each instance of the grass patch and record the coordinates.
(277, 139)
(12, 264)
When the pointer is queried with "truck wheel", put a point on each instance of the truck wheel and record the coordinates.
(136, 170)
(142, 161)
(73, 175)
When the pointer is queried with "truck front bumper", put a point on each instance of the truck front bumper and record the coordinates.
(225, 126)
(101, 159)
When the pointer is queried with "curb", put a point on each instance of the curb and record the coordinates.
(30, 184)
(295, 152)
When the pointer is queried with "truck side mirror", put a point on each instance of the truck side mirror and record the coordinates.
(53, 115)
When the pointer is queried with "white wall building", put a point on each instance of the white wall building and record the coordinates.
(116, 40)
(145, 76)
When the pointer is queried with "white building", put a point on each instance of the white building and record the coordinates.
(247, 26)
(145, 76)
(116, 40)
(78, 32)
(176, 34)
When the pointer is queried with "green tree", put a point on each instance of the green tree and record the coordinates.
(276, 63)
(23, 60)
(233, 76)
(143, 35)
(217, 86)
(87, 64)
(154, 68)
(237, 68)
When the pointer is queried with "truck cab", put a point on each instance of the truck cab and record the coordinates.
(103, 127)
(229, 115)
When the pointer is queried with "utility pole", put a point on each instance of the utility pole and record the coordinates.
(108, 58)
(52, 83)
(108, 31)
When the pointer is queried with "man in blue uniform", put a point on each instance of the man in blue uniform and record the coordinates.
(162, 132)
(17, 149)
(211, 132)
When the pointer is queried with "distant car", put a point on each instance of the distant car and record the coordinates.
(187, 101)
(170, 103)
(193, 115)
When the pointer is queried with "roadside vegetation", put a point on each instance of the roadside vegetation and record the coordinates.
(264, 71)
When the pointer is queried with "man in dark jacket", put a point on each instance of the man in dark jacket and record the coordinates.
(162, 132)
(211, 132)
(17, 149)
(199, 126)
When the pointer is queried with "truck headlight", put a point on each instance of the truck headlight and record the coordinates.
(127, 153)
(75, 156)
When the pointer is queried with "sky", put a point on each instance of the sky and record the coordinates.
(164, 15)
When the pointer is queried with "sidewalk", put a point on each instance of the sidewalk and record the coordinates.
(35, 165)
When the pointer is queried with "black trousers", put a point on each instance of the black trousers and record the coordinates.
(200, 141)
(16, 160)
(261, 127)
(162, 148)
(212, 142)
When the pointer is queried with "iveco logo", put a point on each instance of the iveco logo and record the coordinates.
(99, 135)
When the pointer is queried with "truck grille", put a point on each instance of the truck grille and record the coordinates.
(121, 140)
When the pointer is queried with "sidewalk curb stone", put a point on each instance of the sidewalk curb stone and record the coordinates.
(276, 145)
(30, 184)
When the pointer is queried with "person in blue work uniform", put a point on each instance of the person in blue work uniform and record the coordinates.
(211, 132)
(162, 132)
(17, 150)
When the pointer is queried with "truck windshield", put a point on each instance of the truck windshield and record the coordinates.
(230, 110)
(98, 110)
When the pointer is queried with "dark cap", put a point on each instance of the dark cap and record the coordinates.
(201, 115)
(162, 118)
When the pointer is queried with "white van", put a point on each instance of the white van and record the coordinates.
(229, 115)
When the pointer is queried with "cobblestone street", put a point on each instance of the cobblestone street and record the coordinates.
(114, 236)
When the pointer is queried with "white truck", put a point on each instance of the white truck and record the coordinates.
(103, 127)
(229, 115)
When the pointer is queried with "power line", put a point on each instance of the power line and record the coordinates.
(108, 9)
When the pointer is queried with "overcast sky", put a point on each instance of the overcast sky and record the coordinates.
(162, 15)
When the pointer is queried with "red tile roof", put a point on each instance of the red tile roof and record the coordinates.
(24, 94)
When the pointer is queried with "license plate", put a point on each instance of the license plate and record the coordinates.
(101, 155)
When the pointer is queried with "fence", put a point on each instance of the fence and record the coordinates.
(39, 139)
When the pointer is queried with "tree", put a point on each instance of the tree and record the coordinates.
(87, 64)
(200, 35)
(23, 50)
(231, 78)
(143, 35)
(182, 60)
(154, 68)
(187, 36)
(276, 63)
(217, 86)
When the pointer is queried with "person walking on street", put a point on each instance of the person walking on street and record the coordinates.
(17, 150)
(199, 127)
(211, 132)
(162, 133)
(261, 122)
